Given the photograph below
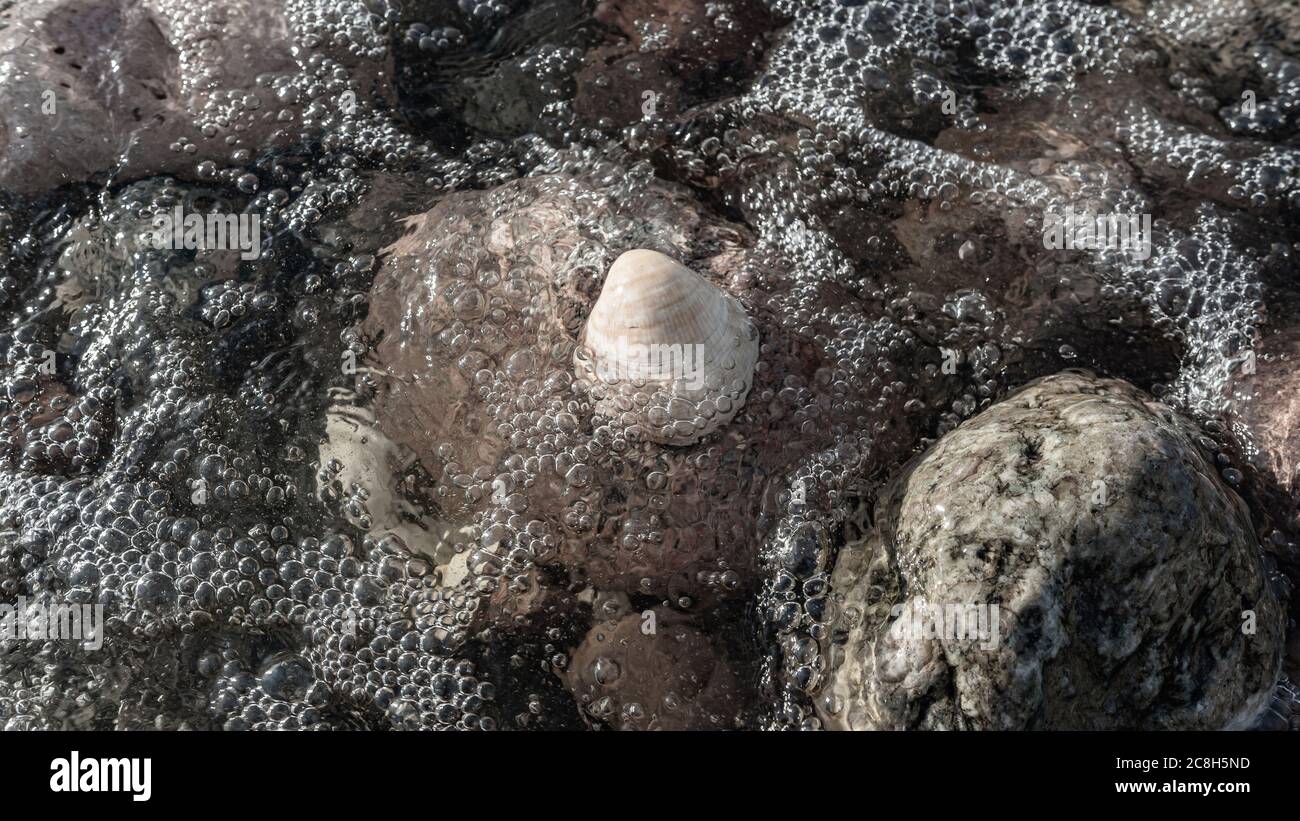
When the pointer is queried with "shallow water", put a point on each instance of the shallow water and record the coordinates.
(352, 482)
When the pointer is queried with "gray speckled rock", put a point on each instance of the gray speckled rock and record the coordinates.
(1118, 564)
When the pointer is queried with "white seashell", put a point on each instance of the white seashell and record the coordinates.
(666, 350)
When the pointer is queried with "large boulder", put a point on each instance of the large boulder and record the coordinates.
(1068, 559)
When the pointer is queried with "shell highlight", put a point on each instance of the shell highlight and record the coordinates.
(666, 350)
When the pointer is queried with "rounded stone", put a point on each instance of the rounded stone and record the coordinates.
(1068, 559)
(653, 670)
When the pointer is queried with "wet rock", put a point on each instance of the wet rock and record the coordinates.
(432, 333)
(532, 601)
(84, 78)
(474, 316)
(1106, 578)
(358, 466)
(131, 88)
(509, 88)
(653, 671)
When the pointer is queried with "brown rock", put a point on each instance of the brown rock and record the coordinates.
(120, 87)
(484, 297)
(653, 671)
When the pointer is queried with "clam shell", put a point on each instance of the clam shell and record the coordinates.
(666, 350)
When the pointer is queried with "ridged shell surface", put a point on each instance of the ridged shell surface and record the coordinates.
(666, 350)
